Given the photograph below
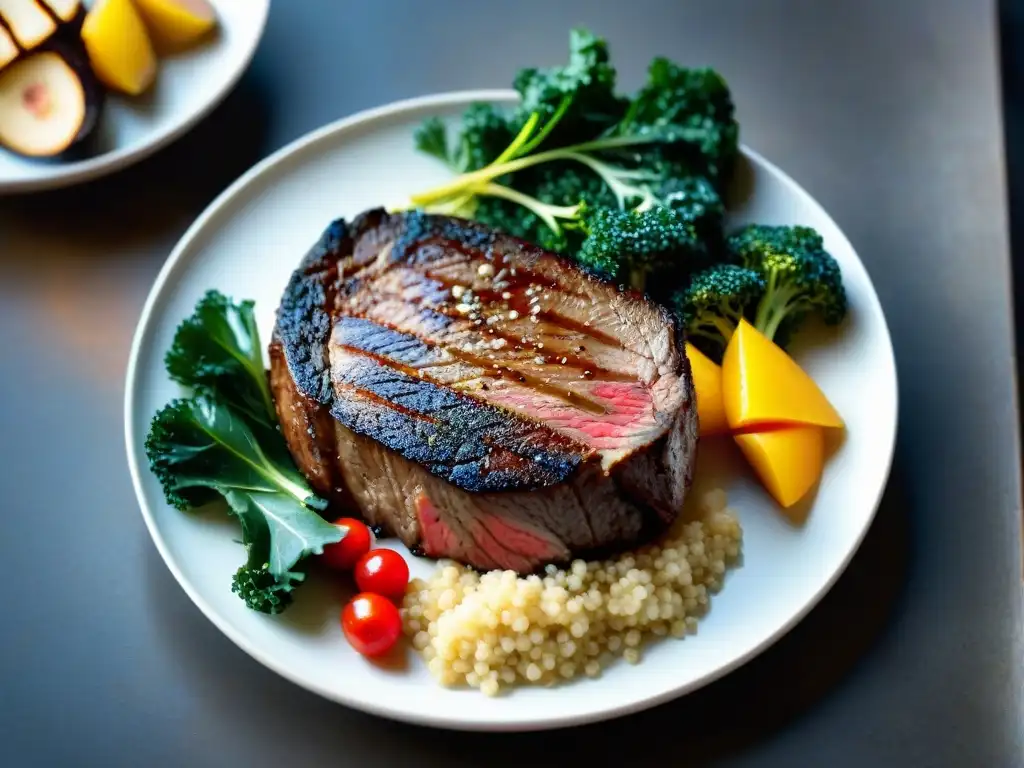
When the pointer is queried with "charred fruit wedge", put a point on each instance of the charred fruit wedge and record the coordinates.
(29, 22)
(49, 102)
(8, 49)
(119, 47)
(30, 25)
(177, 24)
(65, 10)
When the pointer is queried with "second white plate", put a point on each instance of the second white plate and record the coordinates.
(189, 85)
(247, 244)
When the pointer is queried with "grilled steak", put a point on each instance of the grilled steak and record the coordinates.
(479, 397)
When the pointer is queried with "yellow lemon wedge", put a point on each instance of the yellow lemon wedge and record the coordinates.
(177, 24)
(762, 385)
(119, 48)
(707, 380)
(788, 460)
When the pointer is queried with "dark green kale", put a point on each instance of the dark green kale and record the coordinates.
(217, 349)
(485, 134)
(584, 88)
(697, 107)
(431, 138)
(223, 442)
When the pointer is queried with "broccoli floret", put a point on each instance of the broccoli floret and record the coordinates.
(716, 299)
(801, 277)
(697, 200)
(260, 590)
(630, 245)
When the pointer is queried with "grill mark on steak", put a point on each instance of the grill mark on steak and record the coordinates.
(438, 301)
(462, 439)
(624, 408)
(376, 399)
(415, 356)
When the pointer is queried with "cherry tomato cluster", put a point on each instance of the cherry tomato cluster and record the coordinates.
(370, 620)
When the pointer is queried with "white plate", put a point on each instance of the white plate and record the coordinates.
(189, 85)
(248, 242)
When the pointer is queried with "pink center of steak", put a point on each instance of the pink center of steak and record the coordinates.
(493, 540)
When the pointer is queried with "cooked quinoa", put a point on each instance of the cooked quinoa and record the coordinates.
(496, 629)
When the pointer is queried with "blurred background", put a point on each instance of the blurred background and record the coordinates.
(891, 113)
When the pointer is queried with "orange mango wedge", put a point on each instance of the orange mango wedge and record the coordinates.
(787, 460)
(762, 385)
(119, 47)
(707, 380)
(177, 24)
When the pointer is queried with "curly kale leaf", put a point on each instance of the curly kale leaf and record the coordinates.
(587, 82)
(695, 106)
(217, 349)
(431, 138)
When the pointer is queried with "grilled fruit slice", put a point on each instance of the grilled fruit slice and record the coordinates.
(8, 48)
(35, 25)
(49, 102)
(177, 24)
(65, 10)
(30, 23)
(119, 47)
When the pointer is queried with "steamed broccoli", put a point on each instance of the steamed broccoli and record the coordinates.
(630, 245)
(711, 306)
(800, 276)
(695, 197)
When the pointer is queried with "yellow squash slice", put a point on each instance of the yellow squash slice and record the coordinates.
(177, 24)
(762, 385)
(707, 380)
(119, 48)
(788, 460)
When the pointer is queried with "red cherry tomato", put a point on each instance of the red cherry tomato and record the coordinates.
(382, 571)
(346, 553)
(371, 624)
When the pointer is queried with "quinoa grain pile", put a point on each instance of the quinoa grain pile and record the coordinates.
(494, 630)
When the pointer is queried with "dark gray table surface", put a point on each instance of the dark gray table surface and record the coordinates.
(887, 111)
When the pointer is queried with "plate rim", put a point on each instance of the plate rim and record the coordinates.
(442, 100)
(116, 160)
